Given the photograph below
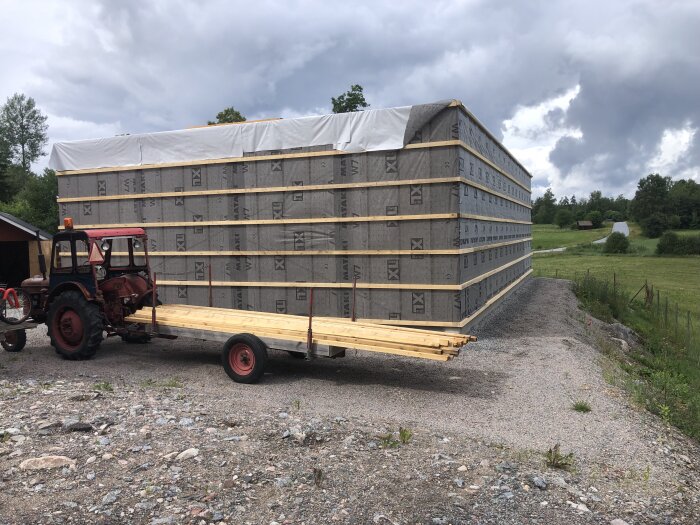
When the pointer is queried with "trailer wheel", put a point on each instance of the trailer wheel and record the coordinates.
(136, 338)
(244, 357)
(14, 341)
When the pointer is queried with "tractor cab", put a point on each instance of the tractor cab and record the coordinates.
(101, 270)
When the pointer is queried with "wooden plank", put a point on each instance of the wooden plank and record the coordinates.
(311, 154)
(493, 272)
(271, 189)
(211, 316)
(320, 328)
(450, 324)
(455, 339)
(458, 103)
(301, 337)
(294, 189)
(260, 222)
(300, 324)
(311, 220)
(494, 299)
(364, 286)
(311, 253)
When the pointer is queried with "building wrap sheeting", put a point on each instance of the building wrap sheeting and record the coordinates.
(427, 212)
(370, 130)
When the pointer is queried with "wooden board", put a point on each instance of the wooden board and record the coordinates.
(294, 189)
(311, 154)
(310, 253)
(310, 220)
(359, 285)
(331, 332)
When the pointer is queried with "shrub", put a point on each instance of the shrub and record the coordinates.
(613, 215)
(616, 243)
(555, 459)
(673, 244)
(564, 218)
(581, 406)
(654, 225)
(668, 244)
(596, 218)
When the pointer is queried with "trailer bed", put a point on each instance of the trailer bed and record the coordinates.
(320, 336)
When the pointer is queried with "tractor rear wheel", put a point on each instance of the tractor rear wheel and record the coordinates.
(75, 326)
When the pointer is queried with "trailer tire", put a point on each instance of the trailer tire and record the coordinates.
(75, 326)
(14, 341)
(244, 357)
(136, 338)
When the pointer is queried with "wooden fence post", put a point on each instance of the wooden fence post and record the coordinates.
(676, 320)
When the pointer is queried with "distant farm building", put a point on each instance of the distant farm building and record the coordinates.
(584, 225)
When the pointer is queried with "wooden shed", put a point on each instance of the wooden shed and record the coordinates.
(584, 225)
(19, 250)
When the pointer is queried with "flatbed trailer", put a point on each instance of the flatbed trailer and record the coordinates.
(247, 335)
(13, 337)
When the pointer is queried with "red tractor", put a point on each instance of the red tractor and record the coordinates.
(97, 278)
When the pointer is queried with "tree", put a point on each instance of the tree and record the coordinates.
(596, 218)
(650, 197)
(616, 243)
(564, 218)
(23, 127)
(654, 225)
(684, 201)
(227, 116)
(544, 208)
(36, 202)
(352, 100)
(5, 162)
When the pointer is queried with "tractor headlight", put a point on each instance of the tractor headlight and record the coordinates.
(137, 244)
(104, 246)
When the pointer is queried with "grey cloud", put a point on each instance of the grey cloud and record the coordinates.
(162, 65)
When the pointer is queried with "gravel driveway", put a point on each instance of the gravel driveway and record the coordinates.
(505, 401)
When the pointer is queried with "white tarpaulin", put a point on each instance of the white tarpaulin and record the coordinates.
(371, 130)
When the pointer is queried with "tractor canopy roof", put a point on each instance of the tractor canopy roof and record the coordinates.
(103, 233)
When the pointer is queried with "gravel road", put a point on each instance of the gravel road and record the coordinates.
(480, 425)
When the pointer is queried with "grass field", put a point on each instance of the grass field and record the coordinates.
(679, 277)
(547, 236)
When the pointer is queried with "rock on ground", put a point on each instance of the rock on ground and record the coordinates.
(479, 425)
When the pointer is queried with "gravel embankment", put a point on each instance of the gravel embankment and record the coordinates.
(310, 444)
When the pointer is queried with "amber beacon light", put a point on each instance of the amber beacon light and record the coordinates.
(68, 223)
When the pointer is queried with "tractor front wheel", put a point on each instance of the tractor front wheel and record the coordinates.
(75, 326)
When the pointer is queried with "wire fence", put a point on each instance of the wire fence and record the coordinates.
(666, 316)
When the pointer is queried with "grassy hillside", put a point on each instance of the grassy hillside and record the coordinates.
(547, 236)
(679, 277)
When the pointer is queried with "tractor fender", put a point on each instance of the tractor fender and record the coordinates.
(63, 287)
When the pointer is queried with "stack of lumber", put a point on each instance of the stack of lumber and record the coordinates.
(427, 344)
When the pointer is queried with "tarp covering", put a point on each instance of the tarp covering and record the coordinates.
(371, 130)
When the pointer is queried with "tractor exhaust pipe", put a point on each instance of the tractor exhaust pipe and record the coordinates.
(42, 259)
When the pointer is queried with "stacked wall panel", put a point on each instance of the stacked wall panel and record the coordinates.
(432, 233)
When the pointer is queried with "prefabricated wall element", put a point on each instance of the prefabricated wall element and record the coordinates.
(420, 206)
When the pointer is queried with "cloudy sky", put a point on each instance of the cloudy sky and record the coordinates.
(590, 94)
